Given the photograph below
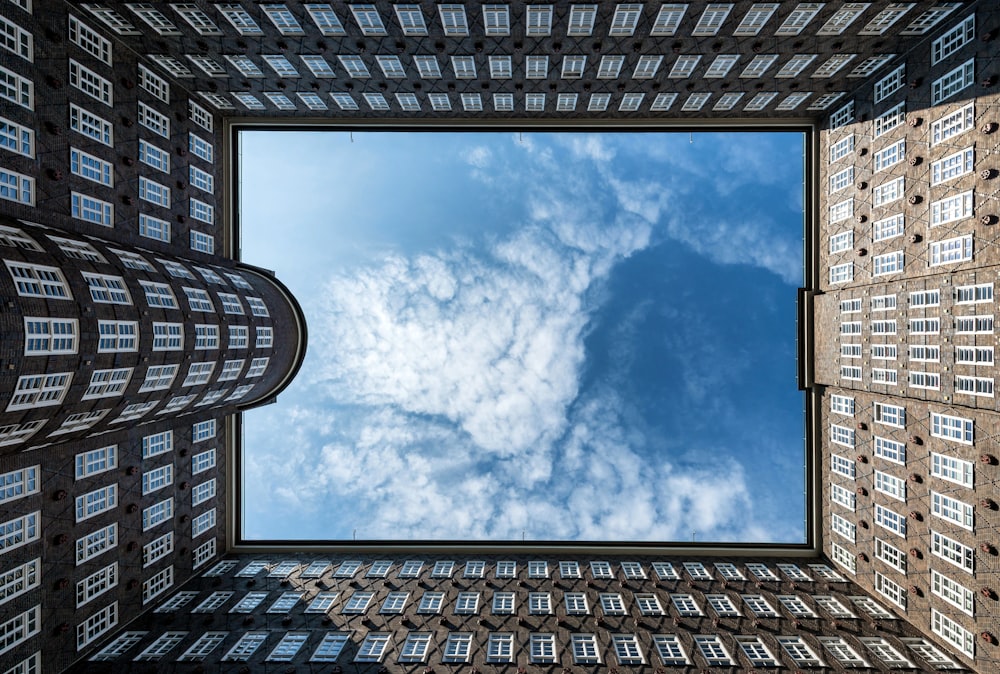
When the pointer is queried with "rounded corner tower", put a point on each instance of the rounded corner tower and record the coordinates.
(98, 337)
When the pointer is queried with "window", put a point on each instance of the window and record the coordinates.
(842, 435)
(283, 19)
(843, 527)
(957, 249)
(953, 633)
(957, 429)
(157, 584)
(889, 415)
(96, 625)
(199, 373)
(890, 520)
(841, 556)
(203, 647)
(711, 648)
(358, 603)
(117, 648)
(611, 603)
(842, 273)
(930, 654)
(395, 601)
(202, 461)
(467, 603)
(953, 124)
(842, 465)
(200, 148)
(89, 40)
(722, 604)
(157, 513)
(953, 82)
(888, 228)
(39, 391)
(890, 84)
(756, 652)
(842, 147)
(841, 241)
(887, 192)
(156, 479)
(953, 40)
(16, 89)
(96, 584)
(584, 648)
(163, 645)
(799, 652)
(373, 647)
(889, 156)
(201, 242)
(952, 510)
(890, 485)
(157, 549)
(89, 82)
(833, 606)
(685, 605)
(88, 547)
(669, 649)
(842, 496)
(649, 604)
(952, 592)
(952, 166)
(952, 469)
(264, 338)
(231, 369)
(457, 647)
(431, 602)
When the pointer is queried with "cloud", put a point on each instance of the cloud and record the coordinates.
(444, 395)
(478, 156)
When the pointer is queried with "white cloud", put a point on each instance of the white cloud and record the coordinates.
(478, 156)
(445, 393)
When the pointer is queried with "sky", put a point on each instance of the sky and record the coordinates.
(530, 336)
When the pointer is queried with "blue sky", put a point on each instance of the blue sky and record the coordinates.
(531, 336)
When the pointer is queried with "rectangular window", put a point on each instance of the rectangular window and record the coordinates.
(952, 592)
(17, 89)
(952, 551)
(843, 496)
(957, 249)
(890, 485)
(952, 510)
(952, 166)
(96, 625)
(888, 192)
(89, 82)
(952, 469)
(889, 156)
(92, 544)
(200, 148)
(156, 479)
(890, 84)
(842, 465)
(843, 527)
(953, 124)
(96, 584)
(953, 633)
(953, 82)
(841, 211)
(39, 391)
(89, 40)
(953, 40)
(889, 120)
(157, 513)
(157, 549)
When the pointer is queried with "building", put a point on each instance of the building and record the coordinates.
(132, 336)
